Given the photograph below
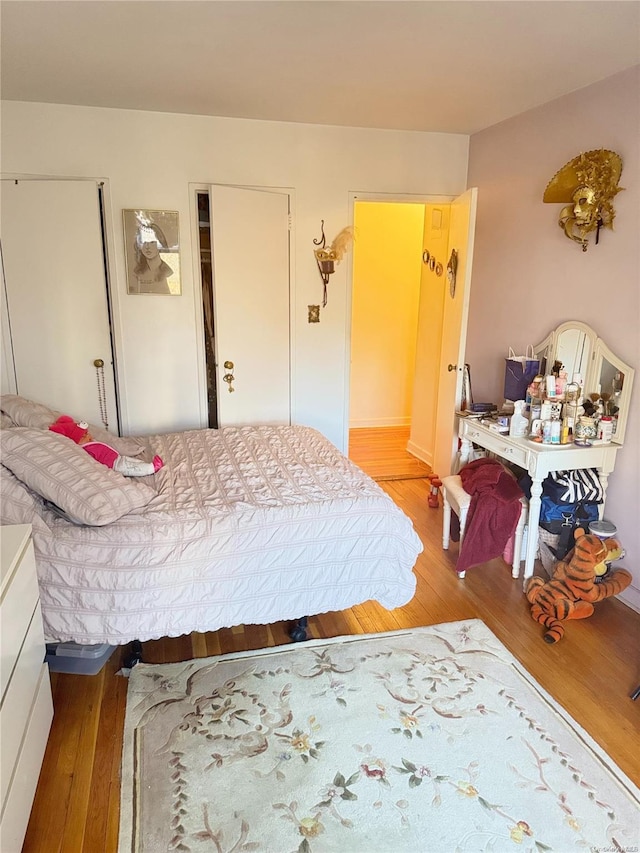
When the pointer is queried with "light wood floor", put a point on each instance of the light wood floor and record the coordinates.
(591, 672)
(381, 452)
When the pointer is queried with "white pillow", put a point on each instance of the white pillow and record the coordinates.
(5, 421)
(18, 505)
(26, 413)
(64, 474)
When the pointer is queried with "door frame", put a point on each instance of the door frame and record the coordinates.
(202, 186)
(393, 198)
(111, 279)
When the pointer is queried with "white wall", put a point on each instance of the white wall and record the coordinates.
(149, 160)
(528, 277)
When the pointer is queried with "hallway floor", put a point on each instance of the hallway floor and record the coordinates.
(381, 453)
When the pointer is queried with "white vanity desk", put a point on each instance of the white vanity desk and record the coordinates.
(538, 460)
(580, 350)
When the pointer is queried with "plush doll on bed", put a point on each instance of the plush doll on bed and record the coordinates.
(581, 579)
(126, 465)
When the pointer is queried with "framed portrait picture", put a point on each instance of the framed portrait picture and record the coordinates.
(152, 251)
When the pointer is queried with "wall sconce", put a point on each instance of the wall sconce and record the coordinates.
(327, 258)
(589, 184)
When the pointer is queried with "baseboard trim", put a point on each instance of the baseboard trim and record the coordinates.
(420, 453)
(631, 597)
(380, 423)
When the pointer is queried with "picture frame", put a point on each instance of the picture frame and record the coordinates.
(152, 251)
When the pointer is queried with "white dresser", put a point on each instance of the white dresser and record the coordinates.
(27, 709)
(538, 460)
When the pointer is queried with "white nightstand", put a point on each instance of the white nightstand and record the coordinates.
(27, 709)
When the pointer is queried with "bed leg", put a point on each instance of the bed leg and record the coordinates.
(298, 632)
(134, 656)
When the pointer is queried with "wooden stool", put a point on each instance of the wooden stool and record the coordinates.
(455, 498)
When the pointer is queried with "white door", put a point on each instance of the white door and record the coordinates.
(454, 331)
(54, 271)
(250, 254)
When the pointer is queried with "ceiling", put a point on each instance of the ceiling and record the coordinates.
(454, 66)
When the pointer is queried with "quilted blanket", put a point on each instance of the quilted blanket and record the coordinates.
(250, 524)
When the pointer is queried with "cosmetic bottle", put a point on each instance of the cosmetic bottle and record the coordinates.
(561, 383)
(605, 428)
(519, 424)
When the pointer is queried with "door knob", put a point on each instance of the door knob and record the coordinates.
(452, 367)
(228, 376)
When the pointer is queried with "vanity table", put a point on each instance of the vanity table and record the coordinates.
(580, 350)
(538, 460)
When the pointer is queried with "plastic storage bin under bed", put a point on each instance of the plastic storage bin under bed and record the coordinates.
(77, 659)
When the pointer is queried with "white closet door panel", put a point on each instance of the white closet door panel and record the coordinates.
(56, 292)
(250, 234)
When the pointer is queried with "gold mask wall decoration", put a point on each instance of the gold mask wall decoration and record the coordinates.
(589, 184)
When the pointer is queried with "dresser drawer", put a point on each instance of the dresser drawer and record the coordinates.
(17, 808)
(511, 451)
(20, 596)
(19, 698)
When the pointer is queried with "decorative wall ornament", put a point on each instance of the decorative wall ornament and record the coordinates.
(327, 258)
(452, 272)
(589, 184)
(430, 261)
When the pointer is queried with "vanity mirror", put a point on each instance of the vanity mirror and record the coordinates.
(605, 376)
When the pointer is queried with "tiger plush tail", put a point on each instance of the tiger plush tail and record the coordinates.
(555, 629)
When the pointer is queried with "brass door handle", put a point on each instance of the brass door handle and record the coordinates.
(228, 376)
(452, 367)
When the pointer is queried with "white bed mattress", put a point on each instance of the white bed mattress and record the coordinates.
(249, 525)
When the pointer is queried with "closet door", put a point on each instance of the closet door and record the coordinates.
(52, 251)
(250, 255)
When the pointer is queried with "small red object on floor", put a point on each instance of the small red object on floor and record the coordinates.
(433, 499)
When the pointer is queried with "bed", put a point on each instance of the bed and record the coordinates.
(242, 525)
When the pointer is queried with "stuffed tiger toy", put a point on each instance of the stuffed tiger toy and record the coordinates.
(581, 578)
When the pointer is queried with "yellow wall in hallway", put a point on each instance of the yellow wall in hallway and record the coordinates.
(387, 263)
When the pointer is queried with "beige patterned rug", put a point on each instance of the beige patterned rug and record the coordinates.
(433, 740)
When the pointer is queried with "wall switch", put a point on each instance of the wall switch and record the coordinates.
(314, 313)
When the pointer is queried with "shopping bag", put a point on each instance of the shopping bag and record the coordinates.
(519, 372)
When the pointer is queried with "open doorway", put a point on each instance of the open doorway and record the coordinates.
(398, 295)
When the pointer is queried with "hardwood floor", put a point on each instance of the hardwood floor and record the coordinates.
(591, 672)
(381, 452)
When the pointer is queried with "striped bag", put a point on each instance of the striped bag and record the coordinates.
(572, 486)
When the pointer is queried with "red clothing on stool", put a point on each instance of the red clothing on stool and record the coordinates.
(493, 513)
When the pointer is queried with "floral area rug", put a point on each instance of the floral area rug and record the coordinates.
(432, 740)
